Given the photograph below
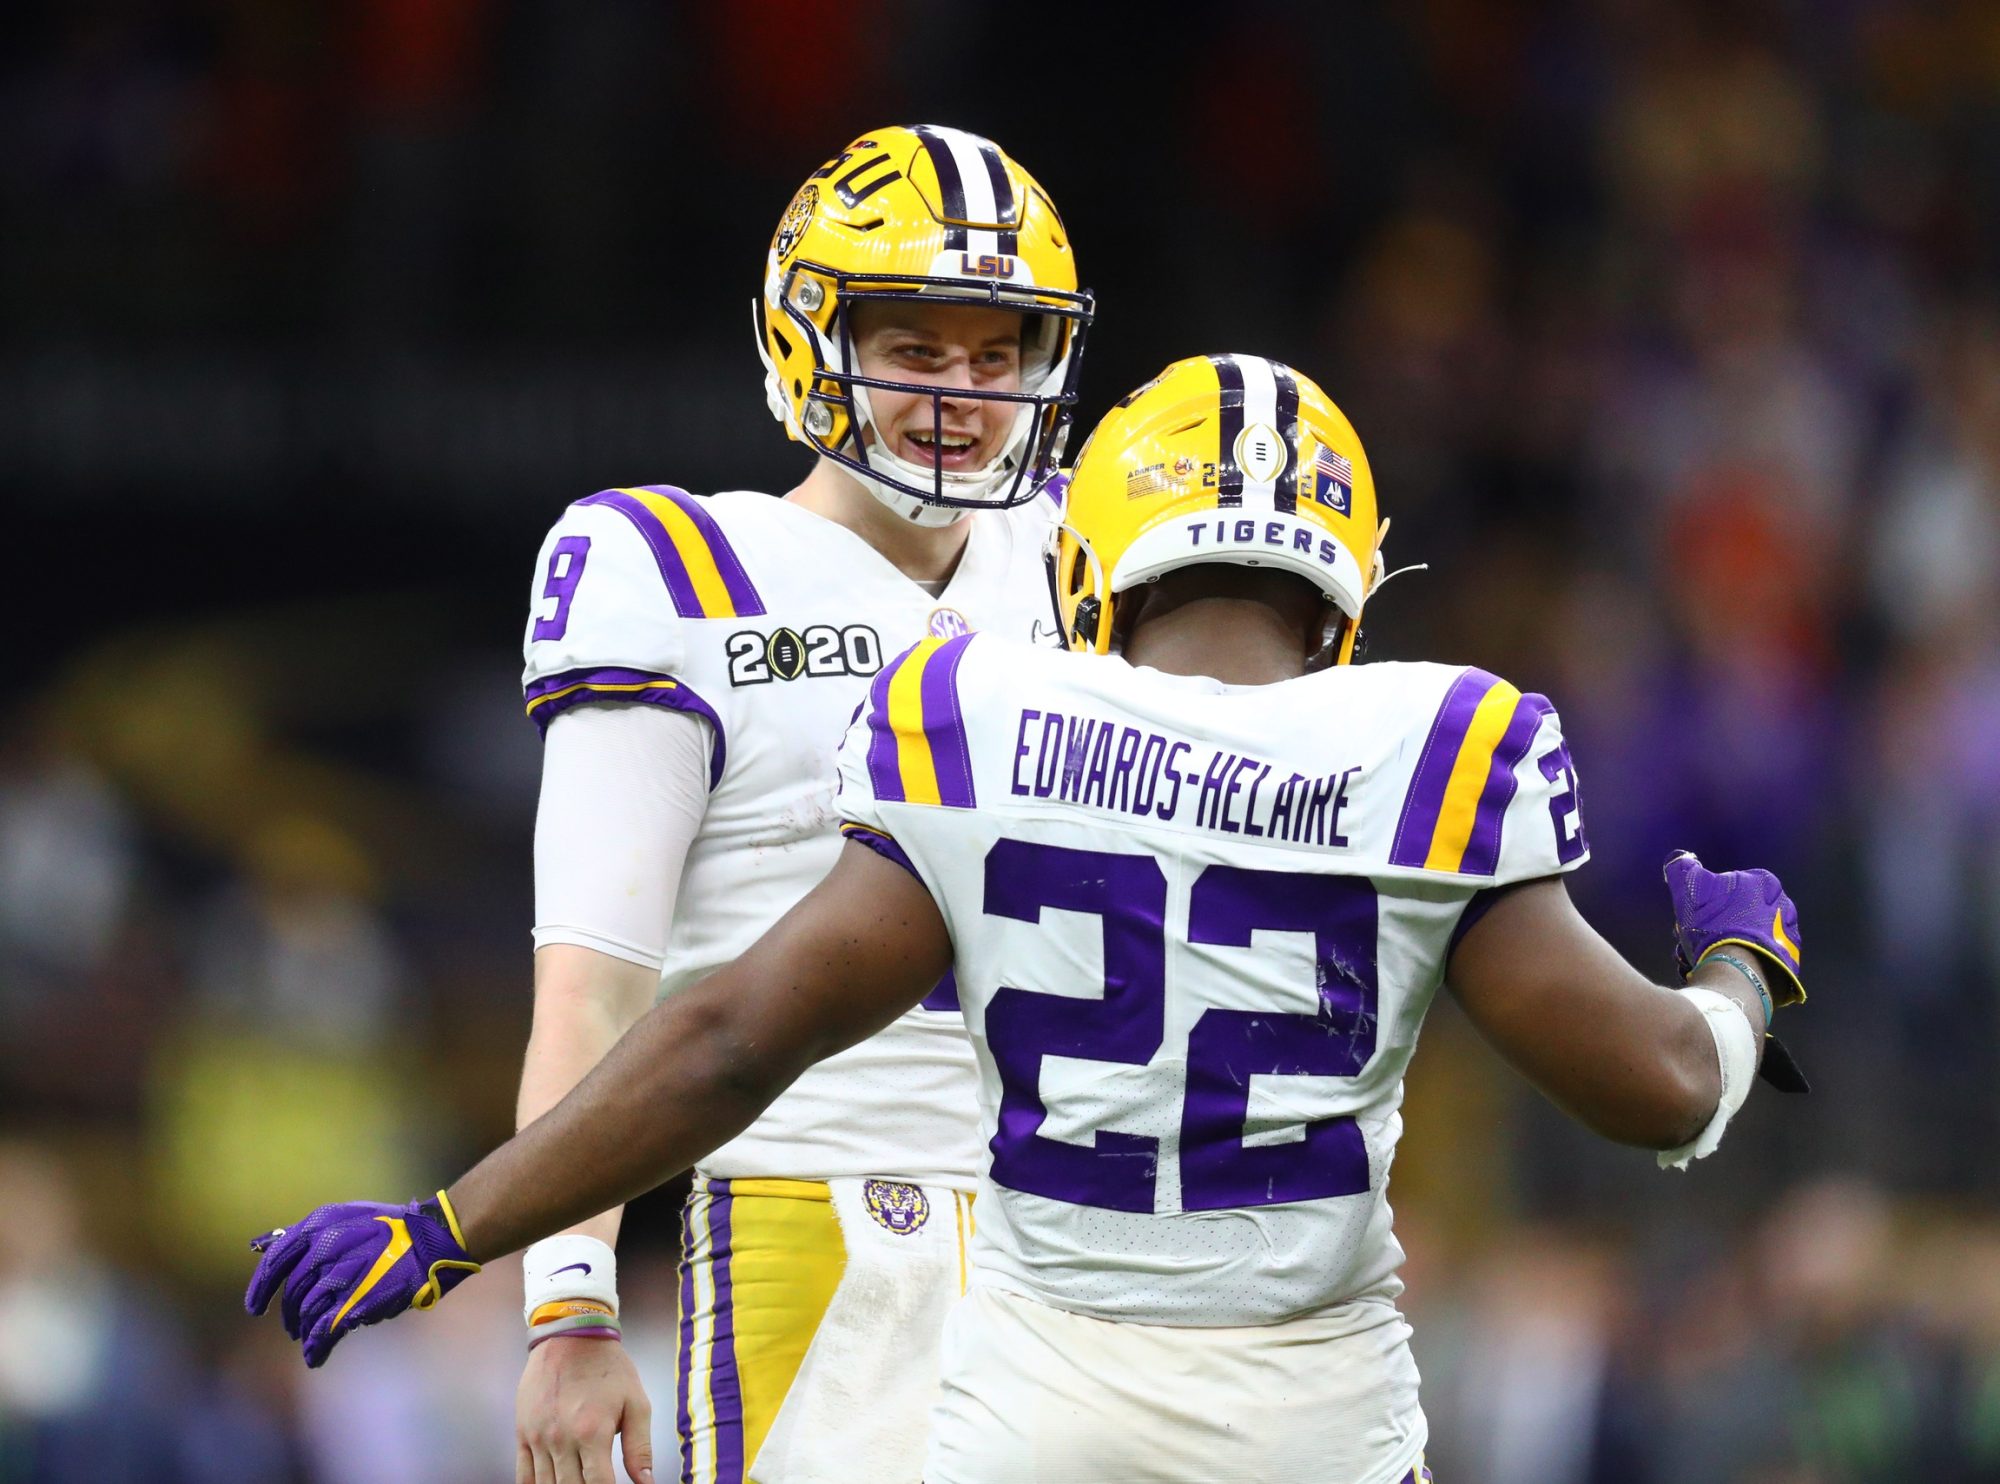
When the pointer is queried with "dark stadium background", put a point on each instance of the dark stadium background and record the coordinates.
(1672, 332)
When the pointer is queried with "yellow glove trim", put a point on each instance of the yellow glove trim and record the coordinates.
(1788, 991)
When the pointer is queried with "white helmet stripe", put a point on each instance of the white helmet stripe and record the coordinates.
(976, 184)
(1260, 449)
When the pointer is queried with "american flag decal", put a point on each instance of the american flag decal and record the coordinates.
(1333, 480)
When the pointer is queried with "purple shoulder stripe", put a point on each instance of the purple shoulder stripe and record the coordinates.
(885, 775)
(666, 556)
(1482, 849)
(742, 592)
(673, 564)
(944, 725)
(1414, 827)
(552, 695)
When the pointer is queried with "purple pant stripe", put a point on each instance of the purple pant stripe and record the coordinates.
(585, 687)
(687, 1341)
(673, 571)
(742, 592)
(1482, 848)
(1418, 821)
(884, 771)
(725, 1387)
(944, 725)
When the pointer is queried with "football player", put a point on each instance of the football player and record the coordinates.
(693, 662)
(1198, 885)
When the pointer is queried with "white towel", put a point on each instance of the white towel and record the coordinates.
(859, 1409)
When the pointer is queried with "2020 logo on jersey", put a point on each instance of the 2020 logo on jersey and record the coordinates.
(792, 654)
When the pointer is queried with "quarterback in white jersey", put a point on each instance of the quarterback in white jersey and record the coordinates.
(692, 662)
(1197, 895)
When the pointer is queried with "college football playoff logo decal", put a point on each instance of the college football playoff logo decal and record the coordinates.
(791, 654)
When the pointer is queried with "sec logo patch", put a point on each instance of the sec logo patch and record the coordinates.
(948, 623)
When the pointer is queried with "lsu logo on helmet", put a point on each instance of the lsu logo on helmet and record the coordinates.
(1223, 458)
(921, 213)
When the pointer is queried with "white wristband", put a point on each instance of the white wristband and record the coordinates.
(568, 1267)
(1736, 1049)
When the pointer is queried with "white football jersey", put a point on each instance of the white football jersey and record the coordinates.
(1196, 928)
(771, 622)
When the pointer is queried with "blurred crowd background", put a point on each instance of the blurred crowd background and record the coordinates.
(1672, 329)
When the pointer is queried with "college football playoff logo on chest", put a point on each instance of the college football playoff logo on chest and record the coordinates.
(758, 658)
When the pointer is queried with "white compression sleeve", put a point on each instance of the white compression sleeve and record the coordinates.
(1736, 1049)
(623, 791)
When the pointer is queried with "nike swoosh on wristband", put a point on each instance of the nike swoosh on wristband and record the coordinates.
(573, 1267)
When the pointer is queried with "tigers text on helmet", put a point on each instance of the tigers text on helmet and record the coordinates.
(1223, 458)
(923, 213)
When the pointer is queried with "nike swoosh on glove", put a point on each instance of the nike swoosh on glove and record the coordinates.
(357, 1263)
(1748, 909)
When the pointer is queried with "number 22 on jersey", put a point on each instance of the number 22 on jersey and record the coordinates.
(1226, 1047)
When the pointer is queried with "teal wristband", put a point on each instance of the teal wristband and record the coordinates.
(1756, 981)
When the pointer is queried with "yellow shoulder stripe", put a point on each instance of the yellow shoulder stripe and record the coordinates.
(694, 551)
(1468, 778)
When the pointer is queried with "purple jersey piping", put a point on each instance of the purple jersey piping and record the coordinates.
(881, 844)
(552, 695)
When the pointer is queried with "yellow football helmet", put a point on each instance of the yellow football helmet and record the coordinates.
(921, 212)
(1225, 458)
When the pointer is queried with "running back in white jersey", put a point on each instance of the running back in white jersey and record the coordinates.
(770, 622)
(1196, 930)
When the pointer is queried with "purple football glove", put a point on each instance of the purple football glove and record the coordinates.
(357, 1263)
(1749, 908)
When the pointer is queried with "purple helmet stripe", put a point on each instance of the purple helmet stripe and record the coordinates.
(1229, 477)
(950, 186)
(885, 772)
(944, 724)
(725, 1387)
(1285, 488)
(1482, 849)
(742, 592)
(1412, 844)
(686, 1367)
(1003, 196)
(552, 695)
(673, 571)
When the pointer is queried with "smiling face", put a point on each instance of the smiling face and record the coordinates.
(955, 347)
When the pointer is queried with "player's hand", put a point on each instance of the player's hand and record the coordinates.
(1747, 908)
(357, 1263)
(577, 1395)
